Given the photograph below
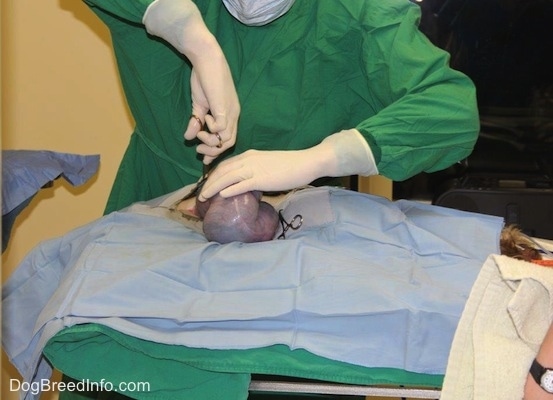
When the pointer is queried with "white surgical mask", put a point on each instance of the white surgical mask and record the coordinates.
(257, 12)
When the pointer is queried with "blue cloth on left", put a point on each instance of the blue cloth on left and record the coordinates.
(364, 280)
(25, 172)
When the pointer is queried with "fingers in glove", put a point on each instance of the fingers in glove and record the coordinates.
(225, 127)
(215, 140)
(222, 123)
(230, 178)
(195, 125)
(213, 144)
(210, 153)
(218, 139)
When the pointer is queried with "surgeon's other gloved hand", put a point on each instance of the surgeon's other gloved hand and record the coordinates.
(214, 99)
(341, 154)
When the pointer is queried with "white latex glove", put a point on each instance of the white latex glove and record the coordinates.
(341, 154)
(214, 99)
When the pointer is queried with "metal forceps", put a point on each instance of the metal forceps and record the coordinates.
(198, 188)
(206, 168)
(294, 224)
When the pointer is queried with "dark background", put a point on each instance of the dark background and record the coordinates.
(506, 48)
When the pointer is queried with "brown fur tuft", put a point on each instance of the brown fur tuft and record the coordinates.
(514, 243)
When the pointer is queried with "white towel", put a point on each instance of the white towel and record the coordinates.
(503, 324)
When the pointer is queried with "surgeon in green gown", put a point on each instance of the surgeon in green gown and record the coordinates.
(312, 88)
(280, 93)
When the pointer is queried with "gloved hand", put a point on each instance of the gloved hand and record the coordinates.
(215, 102)
(341, 154)
(214, 98)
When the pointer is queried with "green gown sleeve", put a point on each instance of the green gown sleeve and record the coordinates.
(428, 117)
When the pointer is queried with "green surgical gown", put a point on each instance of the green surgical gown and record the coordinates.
(323, 67)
